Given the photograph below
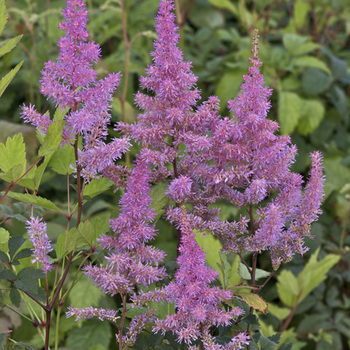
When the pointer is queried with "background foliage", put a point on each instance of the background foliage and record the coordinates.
(305, 48)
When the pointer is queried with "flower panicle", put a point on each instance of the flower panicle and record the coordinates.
(36, 229)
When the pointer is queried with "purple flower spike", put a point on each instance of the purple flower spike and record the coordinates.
(42, 246)
(198, 305)
(71, 82)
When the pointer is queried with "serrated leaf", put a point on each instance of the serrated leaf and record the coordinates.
(289, 105)
(36, 200)
(311, 114)
(15, 242)
(27, 285)
(24, 253)
(53, 138)
(62, 159)
(15, 296)
(310, 62)
(13, 155)
(4, 257)
(7, 275)
(30, 273)
(9, 45)
(96, 187)
(5, 80)
(254, 301)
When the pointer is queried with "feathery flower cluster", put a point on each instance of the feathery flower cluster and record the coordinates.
(131, 263)
(72, 83)
(198, 305)
(36, 229)
(90, 312)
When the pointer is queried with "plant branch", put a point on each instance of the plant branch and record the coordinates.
(20, 178)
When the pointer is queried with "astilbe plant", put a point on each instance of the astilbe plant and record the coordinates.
(204, 158)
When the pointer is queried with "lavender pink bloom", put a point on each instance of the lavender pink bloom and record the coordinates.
(71, 82)
(198, 304)
(36, 229)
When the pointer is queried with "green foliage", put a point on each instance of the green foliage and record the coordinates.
(293, 289)
(7, 47)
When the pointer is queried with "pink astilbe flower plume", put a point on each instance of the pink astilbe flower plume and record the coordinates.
(131, 263)
(36, 229)
(198, 305)
(71, 82)
(168, 112)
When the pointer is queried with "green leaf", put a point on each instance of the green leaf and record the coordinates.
(315, 272)
(83, 236)
(52, 138)
(305, 48)
(212, 247)
(90, 334)
(4, 257)
(228, 86)
(280, 312)
(339, 67)
(310, 62)
(228, 270)
(225, 4)
(287, 287)
(4, 236)
(62, 159)
(244, 273)
(15, 296)
(163, 309)
(289, 105)
(13, 156)
(5, 80)
(311, 114)
(159, 199)
(96, 187)
(337, 174)
(36, 200)
(15, 242)
(254, 301)
(31, 273)
(85, 294)
(9, 45)
(315, 81)
(24, 253)
(7, 275)
(293, 41)
(3, 15)
(301, 9)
